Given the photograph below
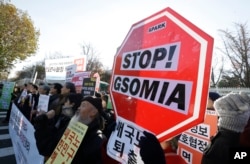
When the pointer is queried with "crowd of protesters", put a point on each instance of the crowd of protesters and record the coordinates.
(65, 105)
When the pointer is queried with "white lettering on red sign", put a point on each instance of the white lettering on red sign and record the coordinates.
(163, 57)
(166, 93)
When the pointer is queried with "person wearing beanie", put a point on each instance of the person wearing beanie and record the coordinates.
(211, 99)
(90, 113)
(233, 111)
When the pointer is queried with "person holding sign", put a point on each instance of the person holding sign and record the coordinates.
(29, 101)
(47, 136)
(43, 92)
(90, 113)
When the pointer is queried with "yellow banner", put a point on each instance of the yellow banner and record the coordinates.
(68, 144)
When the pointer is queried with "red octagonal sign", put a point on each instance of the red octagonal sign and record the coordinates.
(161, 74)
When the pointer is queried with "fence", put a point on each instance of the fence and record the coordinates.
(224, 91)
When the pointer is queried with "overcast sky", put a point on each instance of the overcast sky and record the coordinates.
(65, 25)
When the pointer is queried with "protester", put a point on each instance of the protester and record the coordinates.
(47, 136)
(55, 92)
(109, 117)
(104, 100)
(14, 98)
(90, 114)
(233, 111)
(67, 88)
(89, 151)
(211, 99)
(24, 92)
(34, 99)
(28, 102)
(42, 90)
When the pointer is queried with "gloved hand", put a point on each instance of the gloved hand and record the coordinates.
(110, 127)
(233, 111)
(41, 121)
(150, 149)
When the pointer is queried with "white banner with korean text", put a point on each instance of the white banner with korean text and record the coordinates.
(43, 103)
(55, 69)
(22, 136)
(123, 144)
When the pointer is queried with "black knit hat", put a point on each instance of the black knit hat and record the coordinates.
(96, 102)
(214, 96)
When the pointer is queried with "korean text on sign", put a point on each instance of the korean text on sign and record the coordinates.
(124, 142)
(68, 144)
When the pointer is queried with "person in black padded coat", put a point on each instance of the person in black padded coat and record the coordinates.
(233, 112)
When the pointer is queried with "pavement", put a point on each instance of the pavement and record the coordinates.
(7, 155)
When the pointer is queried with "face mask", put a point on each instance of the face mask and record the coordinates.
(67, 111)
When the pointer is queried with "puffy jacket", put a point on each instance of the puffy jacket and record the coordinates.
(218, 150)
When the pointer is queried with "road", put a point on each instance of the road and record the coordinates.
(6, 150)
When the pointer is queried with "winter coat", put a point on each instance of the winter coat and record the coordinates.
(219, 149)
(53, 101)
(90, 150)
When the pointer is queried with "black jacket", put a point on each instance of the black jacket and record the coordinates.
(218, 151)
(89, 151)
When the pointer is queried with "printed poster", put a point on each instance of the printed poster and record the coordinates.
(23, 140)
(192, 142)
(78, 80)
(68, 144)
(88, 87)
(6, 88)
(123, 144)
(43, 103)
(70, 71)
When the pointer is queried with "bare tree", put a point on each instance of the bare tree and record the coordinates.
(217, 71)
(236, 49)
(28, 72)
(93, 61)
